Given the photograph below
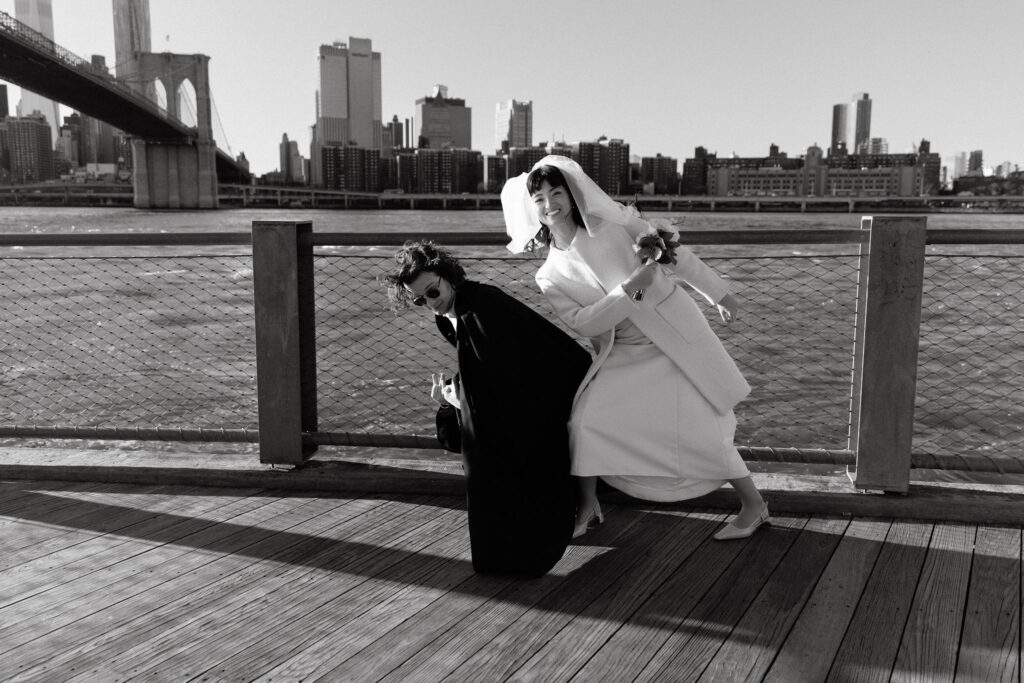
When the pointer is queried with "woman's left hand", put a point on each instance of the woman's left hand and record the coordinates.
(451, 395)
(728, 309)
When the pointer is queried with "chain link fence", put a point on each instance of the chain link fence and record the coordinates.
(162, 347)
(793, 340)
(145, 343)
(970, 378)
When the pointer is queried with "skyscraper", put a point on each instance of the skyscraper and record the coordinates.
(348, 103)
(862, 123)
(840, 130)
(31, 149)
(38, 15)
(851, 125)
(445, 122)
(976, 163)
(132, 35)
(513, 125)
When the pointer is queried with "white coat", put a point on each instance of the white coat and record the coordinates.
(591, 301)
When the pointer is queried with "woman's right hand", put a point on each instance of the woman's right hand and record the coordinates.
(641, 278)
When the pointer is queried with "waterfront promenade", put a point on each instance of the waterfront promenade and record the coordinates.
(114, 581)
(177, 565)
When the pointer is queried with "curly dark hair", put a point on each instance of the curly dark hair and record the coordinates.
(555, 177)
(414, 259)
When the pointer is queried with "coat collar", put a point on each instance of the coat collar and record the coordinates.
(602, 259)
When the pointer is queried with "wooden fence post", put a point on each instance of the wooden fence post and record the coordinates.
(285, 339)
(885, 364)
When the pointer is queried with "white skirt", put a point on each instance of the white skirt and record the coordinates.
(643, 427)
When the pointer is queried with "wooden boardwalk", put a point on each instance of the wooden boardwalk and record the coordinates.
(109, 582)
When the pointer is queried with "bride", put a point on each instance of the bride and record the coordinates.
(654, 415)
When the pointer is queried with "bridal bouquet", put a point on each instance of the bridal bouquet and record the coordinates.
(657, 245)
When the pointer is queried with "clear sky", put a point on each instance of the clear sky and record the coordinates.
(664, 75)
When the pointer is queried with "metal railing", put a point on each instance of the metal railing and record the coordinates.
(165, 347)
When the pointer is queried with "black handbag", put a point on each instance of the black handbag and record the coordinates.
(449, 432)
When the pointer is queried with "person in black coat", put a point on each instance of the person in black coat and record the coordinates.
(518, 374)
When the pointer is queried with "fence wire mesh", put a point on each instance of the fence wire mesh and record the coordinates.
(168, 342)
(970, 378)
(128, 342)
(793, 340)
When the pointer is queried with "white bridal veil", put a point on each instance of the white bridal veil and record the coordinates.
(521, 222)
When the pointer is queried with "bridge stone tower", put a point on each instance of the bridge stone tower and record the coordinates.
(175, 174)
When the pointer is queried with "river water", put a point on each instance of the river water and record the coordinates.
(103, 220)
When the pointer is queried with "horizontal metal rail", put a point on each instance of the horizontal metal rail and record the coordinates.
(133, 433)
(338, 239)
(355, 239)
(126, 239)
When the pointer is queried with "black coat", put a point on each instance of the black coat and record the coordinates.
(518, 374)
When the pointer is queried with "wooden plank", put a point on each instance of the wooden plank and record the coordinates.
(341, 572)
(85, 553)
(869, 649)
(931, 639)
(698, 634)
(134, 574)
(33, 517)
(633, 645)
(571, 648)
(329, 635)
(990, 644)
(393, 649)
(85, 519)
(807, 653)
(749, 651)
(510, 649)
(192, 591)
(604, 553)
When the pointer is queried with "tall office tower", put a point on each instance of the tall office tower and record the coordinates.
(348, 103)
(975, 165)
(131, 36)
(840, 129)
(513, 125)
(4, 106)
(861, 108)
(445, 123)
(38, 15)
(851, 125)
(292, 163)
(959, 165)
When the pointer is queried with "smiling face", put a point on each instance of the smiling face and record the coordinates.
(436, 294)
(553, 205)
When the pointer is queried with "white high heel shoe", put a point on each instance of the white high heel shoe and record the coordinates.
(732, 531)
(593, 519)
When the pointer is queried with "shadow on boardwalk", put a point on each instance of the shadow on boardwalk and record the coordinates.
(120, 582)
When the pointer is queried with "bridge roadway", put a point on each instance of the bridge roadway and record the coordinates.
(34, 62)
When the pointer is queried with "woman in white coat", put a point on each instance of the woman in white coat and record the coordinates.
(654, 415)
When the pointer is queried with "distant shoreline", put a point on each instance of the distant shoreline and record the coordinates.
(298, 199)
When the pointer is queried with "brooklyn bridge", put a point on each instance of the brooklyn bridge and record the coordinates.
(175, 165)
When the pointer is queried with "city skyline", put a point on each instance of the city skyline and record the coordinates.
(667, 79)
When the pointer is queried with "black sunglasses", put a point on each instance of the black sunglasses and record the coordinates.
(431, 293)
